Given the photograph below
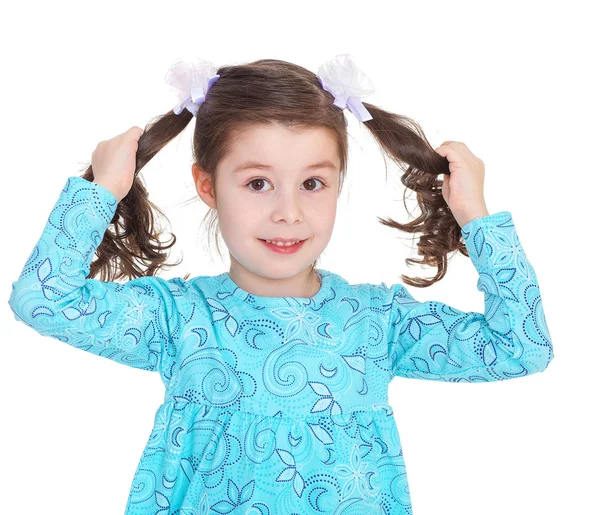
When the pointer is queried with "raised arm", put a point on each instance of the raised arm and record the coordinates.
(134, 323)
(434, 341)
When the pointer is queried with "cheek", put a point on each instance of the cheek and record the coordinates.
(238, 222)
(328, 209)
(322, 220)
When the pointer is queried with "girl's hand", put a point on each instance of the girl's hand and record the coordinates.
(113, 162)
(463, 188)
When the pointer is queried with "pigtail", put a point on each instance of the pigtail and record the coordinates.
(404, 142)
(131, 246)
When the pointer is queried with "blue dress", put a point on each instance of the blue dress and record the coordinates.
(277, 405)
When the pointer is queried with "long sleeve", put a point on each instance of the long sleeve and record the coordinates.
(134, 323)
(432, 340)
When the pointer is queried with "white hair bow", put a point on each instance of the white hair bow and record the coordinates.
(192, 83)
(342, 78)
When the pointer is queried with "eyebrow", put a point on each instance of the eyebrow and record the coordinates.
(257, 165)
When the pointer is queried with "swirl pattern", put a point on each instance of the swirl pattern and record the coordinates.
(277, 405)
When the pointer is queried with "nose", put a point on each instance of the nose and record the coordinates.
(288, 206)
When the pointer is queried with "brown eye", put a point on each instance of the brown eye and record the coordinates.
(312, 181)
(255, 181)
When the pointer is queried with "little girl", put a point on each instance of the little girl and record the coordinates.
(277, 372)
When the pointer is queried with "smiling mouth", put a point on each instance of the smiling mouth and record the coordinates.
(285, 243)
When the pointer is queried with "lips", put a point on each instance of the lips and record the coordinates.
(282, 240)
(283, 249)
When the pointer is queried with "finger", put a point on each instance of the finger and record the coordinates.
(135, 132)
(443, 150)
(449, 153)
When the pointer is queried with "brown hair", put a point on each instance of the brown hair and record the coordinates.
(273, 91)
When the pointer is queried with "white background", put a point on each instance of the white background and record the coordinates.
(517, 82)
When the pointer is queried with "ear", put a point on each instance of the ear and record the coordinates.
(203, 184)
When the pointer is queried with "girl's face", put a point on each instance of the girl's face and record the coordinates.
(267, 189)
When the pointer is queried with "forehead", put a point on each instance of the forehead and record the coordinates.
(274, 145)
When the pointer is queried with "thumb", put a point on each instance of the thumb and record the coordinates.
(446, 188)
(135, 132)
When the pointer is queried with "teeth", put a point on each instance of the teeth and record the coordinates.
(280, 244)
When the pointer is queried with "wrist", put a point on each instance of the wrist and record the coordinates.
(466, 218)
(111, 189)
